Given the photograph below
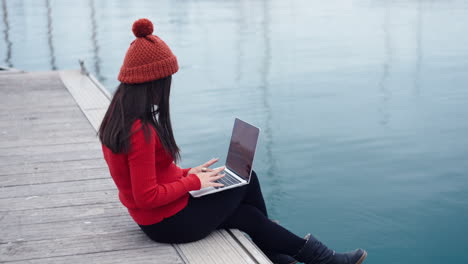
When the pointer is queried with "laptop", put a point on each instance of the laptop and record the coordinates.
(239, 159)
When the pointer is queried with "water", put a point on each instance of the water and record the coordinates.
(363, 105)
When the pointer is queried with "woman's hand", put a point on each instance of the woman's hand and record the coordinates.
(207, 178)
(204, 167)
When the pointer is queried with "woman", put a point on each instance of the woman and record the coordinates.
(141, 152)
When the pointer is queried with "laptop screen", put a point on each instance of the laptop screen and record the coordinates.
(242, 148)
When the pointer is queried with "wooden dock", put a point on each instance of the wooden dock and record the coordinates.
(58, 203)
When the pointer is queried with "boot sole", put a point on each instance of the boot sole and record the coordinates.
(362, 258)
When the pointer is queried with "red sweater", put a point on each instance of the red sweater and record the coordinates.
(150, 184)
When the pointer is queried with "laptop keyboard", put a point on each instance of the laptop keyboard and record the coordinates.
(227, 180)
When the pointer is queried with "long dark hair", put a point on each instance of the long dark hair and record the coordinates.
(148, 102)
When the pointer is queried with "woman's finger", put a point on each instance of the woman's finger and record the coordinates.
(216, 184)
(217, 177)
(210, 162)
(217, 170)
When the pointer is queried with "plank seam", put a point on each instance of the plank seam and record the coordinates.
(81, 254)
(52, 207)
(242, 245)
(43, 183)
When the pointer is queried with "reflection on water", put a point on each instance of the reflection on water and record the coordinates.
(419, 54)
(50, 35)
(265, 96)
(362, 105)
(6, 34)
(383, 84)
(96, 58)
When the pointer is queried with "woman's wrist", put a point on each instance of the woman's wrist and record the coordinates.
(195, 182)
(186, 172)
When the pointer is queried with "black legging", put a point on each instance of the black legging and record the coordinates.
(242, 208)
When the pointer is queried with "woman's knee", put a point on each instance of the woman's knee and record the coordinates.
(254, 174)
(246, 218)
(254, 177)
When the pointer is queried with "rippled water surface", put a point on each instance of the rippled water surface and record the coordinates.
(363, 105)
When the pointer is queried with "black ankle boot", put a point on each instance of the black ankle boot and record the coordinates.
(354, 257)
(314, 252)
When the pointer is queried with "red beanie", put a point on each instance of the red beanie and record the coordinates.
(148, 57)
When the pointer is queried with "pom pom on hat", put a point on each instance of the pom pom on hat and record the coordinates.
(142, 28)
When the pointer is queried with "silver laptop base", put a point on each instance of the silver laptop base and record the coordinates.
(209, 190)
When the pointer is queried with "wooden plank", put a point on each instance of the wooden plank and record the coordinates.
(65, 127)
(57, 200)
(47, 141)
(70, 113)
(66, 187)
(17, 218)
(49, 109)
(52, 166)
(31, 81)
(71, 154)
(95, 117)
(49, 149)
(83, 90)
(92, 100)
(23, 135)
(33, 98)
(216, 248)
(55, 230)
(144, 255)
(249, 246)
(37, 106)
(64, 248)
(55, 176)
(34, 121)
